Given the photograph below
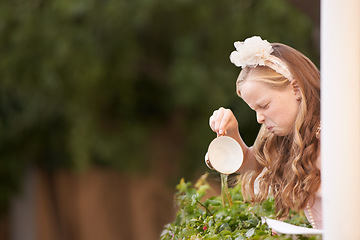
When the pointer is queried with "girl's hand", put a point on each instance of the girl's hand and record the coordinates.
(223, 122)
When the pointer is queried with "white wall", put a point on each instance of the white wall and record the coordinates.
(340, 102)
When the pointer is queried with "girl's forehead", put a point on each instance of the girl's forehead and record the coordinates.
(254, 83)
(253, 91)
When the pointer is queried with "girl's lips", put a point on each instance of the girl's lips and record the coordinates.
(269, 129)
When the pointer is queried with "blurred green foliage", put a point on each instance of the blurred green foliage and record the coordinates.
(88, 82)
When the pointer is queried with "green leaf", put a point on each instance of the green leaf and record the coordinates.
(239, 237)
(211, 237)
(250, 232)
(224, 229)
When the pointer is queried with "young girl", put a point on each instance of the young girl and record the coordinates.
(283, 87)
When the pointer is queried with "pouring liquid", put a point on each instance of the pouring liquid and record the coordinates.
(225, 194)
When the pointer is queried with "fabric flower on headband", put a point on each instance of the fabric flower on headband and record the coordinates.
(255, 52)
(252, 52)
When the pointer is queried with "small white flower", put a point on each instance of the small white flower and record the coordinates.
(252, 52)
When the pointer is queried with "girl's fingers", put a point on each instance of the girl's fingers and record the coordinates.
(212, 122)
(227, 115)
(218, 119)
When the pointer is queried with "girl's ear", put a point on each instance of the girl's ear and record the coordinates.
(296, 89)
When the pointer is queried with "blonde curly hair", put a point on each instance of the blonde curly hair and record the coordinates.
(288, 163)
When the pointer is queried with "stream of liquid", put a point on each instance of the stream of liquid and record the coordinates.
(225, 194)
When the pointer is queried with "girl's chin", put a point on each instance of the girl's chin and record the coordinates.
(277, 132)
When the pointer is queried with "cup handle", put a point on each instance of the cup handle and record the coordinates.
(207, 161)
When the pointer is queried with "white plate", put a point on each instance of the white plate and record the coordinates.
(286, 228)
(225, 155)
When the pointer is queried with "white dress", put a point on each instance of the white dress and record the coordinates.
(314, 213)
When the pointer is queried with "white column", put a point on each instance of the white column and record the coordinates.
(340, 103)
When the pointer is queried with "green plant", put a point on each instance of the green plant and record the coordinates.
(208, 219)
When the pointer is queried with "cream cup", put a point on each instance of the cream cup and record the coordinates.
(224, 155)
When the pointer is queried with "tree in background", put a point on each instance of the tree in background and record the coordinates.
(93, 82)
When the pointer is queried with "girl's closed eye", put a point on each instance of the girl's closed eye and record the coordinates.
(264, 106)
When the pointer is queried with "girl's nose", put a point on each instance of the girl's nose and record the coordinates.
(260, 118)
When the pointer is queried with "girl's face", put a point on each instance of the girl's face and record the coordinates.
(277, 108)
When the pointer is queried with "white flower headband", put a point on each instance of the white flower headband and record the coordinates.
(255, 52)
